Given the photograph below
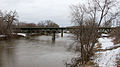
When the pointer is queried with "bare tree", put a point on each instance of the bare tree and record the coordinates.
(6, 21)
(47, 23)
(41, 24)
(88, 17)
(50, 23)
(24, 24)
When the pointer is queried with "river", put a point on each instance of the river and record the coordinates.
(37, 51)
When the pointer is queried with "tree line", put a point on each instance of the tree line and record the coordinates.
(9, 20)
(42, 24)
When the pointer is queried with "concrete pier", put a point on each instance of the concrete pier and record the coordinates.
(62, 33)
(53, 36)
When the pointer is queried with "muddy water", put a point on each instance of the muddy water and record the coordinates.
(35, 52)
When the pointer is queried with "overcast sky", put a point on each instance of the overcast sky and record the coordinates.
(38, 10)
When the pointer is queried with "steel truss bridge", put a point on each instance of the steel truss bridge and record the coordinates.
(54, 30)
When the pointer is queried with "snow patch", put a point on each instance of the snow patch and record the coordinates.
(2, 35)
(110, 47)
(104, 34)
(107, 58)
(22, 34)
(105, 42)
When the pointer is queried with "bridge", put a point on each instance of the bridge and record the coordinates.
(54, 30)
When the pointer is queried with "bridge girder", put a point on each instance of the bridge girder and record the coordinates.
(33, 30)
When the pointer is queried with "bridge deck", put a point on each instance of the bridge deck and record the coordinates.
(32, 29)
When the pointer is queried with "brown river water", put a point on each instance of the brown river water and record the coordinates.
(37, 51)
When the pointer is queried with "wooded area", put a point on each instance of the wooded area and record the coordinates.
(93, 14)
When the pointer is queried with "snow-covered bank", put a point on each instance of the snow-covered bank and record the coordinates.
(21, 34)
(107, 58)
(105, 42)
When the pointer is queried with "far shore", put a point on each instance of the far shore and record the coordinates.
(15, 36)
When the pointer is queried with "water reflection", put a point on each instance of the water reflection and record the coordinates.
(7, 53)
(35, 52)
(1, 57)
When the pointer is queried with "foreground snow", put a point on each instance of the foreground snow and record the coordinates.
(105, 42)
(107, 58)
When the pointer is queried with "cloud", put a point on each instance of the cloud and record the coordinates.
(37, 10)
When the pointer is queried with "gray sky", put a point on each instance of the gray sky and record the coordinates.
(38, 10)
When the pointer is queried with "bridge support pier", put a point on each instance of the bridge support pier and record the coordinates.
(53, 36)
(62, 33)
(28, 35)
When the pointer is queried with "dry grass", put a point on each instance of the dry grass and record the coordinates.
(118, 63)
(98, 45)
(116, 34)
(89, 64)
(118, 60)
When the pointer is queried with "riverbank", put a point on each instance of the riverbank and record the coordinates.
(107, 53)
(16, 36)
(19, 35)
(13, 36)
